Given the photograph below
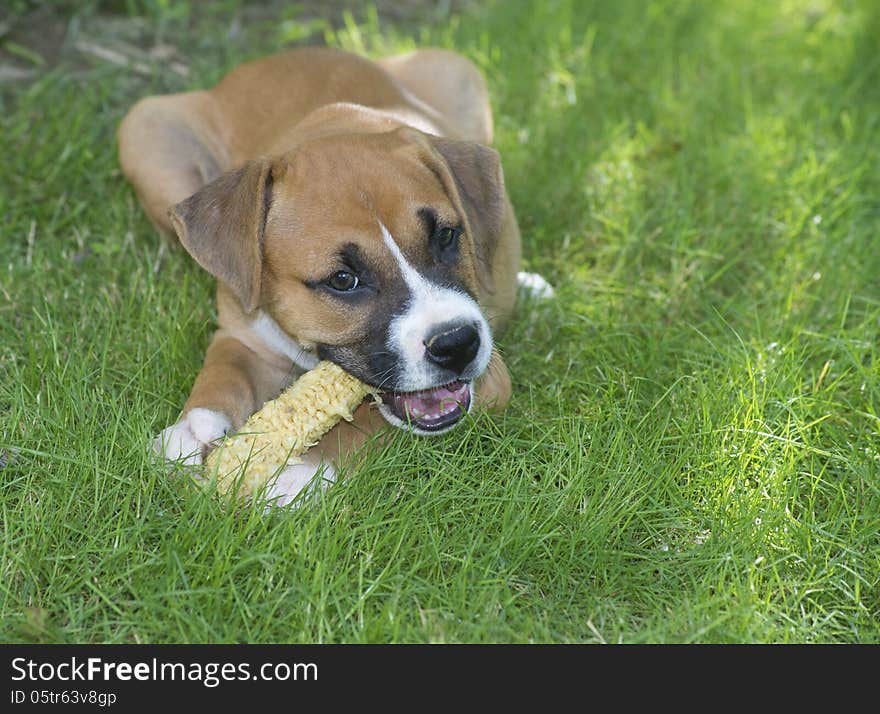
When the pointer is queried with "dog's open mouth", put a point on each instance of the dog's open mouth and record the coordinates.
(430, 409)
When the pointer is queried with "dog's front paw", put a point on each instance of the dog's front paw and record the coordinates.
(534, 286)
(312, 476)
(189, 440)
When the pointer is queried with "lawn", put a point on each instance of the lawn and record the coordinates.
(692, 453)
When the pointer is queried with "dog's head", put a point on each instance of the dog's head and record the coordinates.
(370, 250)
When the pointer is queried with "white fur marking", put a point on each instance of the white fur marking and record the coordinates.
(535, 285)
(297, 477)
(280, 342)
(431, 305)
(415, 282)
(185, 440)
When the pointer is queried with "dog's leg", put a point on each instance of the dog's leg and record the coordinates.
(312, 474)
(338, 447)
(450, 84)
(233, 384)
(493, 388)
(169, 149)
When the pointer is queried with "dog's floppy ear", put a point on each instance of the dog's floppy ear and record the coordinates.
(222, 227)
(474, 177)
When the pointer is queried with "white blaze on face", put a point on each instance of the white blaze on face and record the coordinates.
(430, 306)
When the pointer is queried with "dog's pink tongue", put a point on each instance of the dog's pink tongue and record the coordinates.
(434, 403)
(431, 407)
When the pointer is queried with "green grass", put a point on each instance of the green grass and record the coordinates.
(693, 450)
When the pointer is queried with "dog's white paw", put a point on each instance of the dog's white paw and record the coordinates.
(534, 285)
(312, 476)
(188, 440)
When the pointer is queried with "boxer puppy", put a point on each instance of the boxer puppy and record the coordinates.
(351, 210)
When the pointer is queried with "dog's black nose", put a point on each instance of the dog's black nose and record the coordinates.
(453, 347)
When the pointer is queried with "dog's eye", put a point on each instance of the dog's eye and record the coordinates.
(343, 281)
(446, 237)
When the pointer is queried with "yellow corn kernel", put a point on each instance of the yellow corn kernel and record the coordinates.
(285, 428)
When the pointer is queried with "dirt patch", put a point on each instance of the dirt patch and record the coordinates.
(35, 37)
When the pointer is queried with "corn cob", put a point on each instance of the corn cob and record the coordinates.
(285, 428)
